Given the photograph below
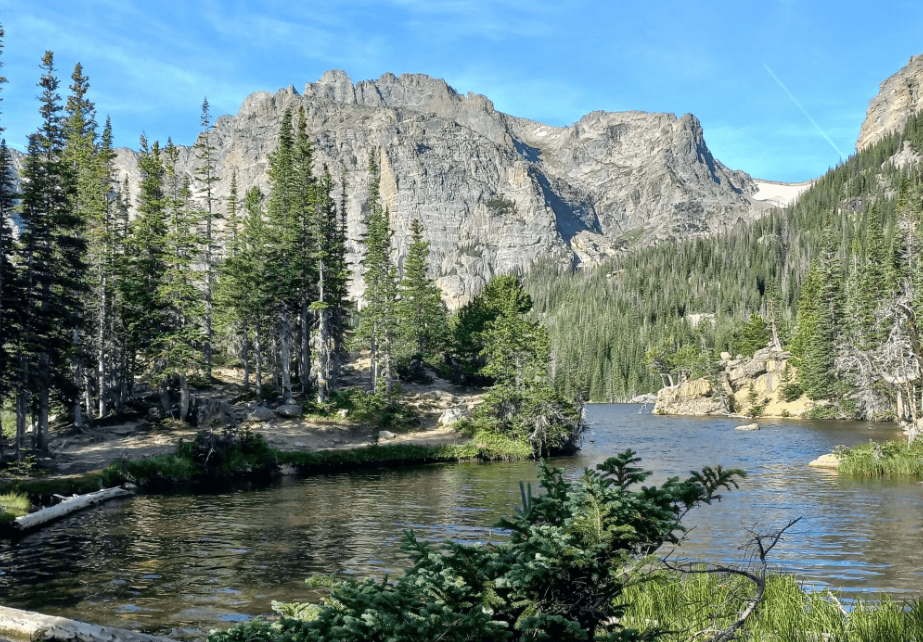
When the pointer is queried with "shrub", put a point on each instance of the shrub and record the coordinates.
(792, 391)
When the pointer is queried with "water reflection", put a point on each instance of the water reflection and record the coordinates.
(178, 563)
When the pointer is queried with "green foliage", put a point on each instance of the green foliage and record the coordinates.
(681, 606)
(423, 319)
(503, 295)
(13, 505)
(375, 407)
(514, 355)
(792, 392)
(892, 459)
(752, 337)
(501, 206)
(558, 576)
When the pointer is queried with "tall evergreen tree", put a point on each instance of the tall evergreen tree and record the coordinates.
(176, 349)
(378, 321)
(7, 202)
(282, 247)
(145, 260)
(424, 327)
(208, 177)
(52, 253)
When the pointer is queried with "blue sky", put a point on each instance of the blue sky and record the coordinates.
(150, 63)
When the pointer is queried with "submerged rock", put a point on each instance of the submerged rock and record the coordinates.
(748, 427)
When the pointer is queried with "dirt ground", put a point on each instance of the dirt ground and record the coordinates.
(95, 447)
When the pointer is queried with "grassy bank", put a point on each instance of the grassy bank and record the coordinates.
(212, 457)
(893, 459)
(13, 505)
(697, 606)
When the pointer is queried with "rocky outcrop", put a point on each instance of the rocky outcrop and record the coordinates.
(695, 397)
(747, 386)
(898, 98)
(495, 193)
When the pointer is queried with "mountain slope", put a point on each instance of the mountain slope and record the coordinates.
(494, 192)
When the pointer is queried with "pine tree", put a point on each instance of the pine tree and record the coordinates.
(206, 174)
(242, 290)
(424, 327)
(7, 202)
(52, 250)
(378, 323)
(307, 208)
(176, 350)
(282, 248)
(144, 261)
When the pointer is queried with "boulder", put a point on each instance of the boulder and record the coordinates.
(826, 461)
(261, 413)
(289, 410)
(726, 356)
(386, 435)
(209, 413)
(452, 415)
(694, 397)
(748, 427)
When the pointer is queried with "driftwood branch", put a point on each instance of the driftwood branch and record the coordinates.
(68, 506)
(762, 544)
(27, 626)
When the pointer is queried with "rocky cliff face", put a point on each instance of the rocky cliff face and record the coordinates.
(494, 192)
(898, 98)
(762, 376)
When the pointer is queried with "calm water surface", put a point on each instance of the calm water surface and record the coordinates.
(185, 564)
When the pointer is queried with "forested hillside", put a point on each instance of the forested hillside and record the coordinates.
(608, 323)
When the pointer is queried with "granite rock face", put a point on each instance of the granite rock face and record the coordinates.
(495, 193)
(899, 97)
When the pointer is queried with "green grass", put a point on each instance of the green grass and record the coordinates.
(186, 463)
(894, 459)
(484, 446)
(696, 606)
(13, 505)
(8, 417)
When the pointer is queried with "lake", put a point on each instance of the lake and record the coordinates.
(183, 564)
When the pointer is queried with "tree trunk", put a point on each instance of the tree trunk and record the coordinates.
(101, 350)
(183, 397)
(323, 354)
(286, 353)
(40, 436)
(165, 398)
(305, 348)
(66, 507)
(21, 406)
(259, 361)
(27, 625)
(78, 413)
(245, 355)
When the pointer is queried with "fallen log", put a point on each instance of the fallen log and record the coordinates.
(28, 626)
(68, 506)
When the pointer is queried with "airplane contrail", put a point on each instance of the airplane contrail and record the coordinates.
(804, 111)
